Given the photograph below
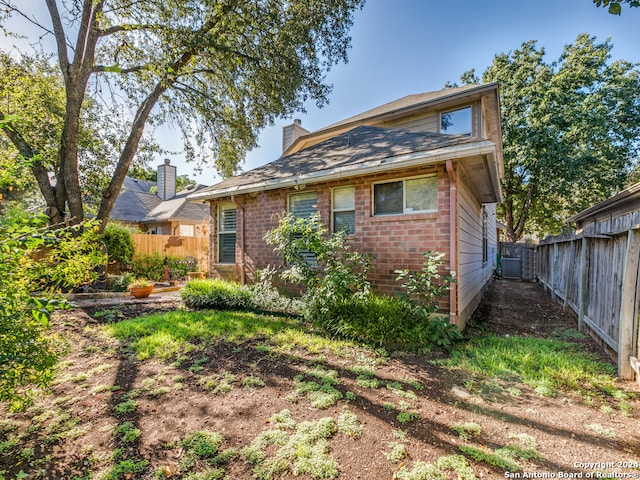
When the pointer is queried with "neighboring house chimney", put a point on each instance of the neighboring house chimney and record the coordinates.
(291, 132)
(166, 180)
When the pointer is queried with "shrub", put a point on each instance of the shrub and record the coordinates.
(385, 321)
(216, 294)
(149, 266)
(119, 244)
(33, 261)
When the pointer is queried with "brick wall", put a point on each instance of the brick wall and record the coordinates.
(394, 241)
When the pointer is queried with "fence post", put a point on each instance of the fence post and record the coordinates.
(628, 310)
(583, 286)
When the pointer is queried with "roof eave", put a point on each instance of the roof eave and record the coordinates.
(482, 147)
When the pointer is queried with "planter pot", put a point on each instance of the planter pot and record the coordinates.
(141, 292)
(198, 275)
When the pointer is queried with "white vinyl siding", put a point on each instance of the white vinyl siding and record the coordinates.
(476, 254)
(411, 195)
(344, 209)
(227, 234)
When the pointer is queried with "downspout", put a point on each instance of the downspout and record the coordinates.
(242, 256)
(453, 227)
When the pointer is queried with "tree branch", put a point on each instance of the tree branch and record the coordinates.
(59, 35)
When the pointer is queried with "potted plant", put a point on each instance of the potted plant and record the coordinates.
(141, 288)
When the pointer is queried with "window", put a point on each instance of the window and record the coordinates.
(485, 237)
(187, 230)
(414, 195)
(344, 209)
(456, 121)
(303, 205)
(227, 234)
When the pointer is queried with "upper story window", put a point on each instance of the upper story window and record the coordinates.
(303, 205)
(456, 121)
(411, 195)
(227, 234)
(344, 209)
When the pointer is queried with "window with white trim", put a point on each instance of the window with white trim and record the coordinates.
(344, 209)
(304, 205)
(411, 195)
(456, 121)
(227, 234)
(187, 230)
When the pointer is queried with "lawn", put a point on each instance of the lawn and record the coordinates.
(213, 395)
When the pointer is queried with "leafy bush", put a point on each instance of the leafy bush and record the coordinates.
(119, 244)
(324, 263)
(34, 258)
(424, 287)
(385, 321)
(225, 295)
(216, 294)
(149, 266)
(338, 298)
(152, 266)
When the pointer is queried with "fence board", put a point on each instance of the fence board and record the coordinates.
(596, 275)
(174, 246)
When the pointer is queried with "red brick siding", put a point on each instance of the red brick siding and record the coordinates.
(394, 241)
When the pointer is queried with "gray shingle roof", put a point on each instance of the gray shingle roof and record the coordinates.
(136, 204)
(357, 146)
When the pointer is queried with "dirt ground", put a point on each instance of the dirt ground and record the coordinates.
(69, 434)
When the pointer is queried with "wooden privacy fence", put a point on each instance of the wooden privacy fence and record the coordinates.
(173, 246)
(596, 275)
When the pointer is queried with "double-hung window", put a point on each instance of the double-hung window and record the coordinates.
(344, 209)
(304, 205)
(411, 195)
(227, 234)
(456, 121)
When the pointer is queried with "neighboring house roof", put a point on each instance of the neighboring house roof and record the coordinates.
(178, 208)
(362, 150)
(136, 204)
(626, 201)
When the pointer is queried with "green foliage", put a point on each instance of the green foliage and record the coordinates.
(119, 244)
(467, 430)
(242, 65)
(224, 295)
(323, 263)
(301, 449)
(456, 464)
(423, 288)
(216, 294)
(34, 258)
(386, 321)
(151, 266)
(569, 128)
(546, 365)
(614, 7)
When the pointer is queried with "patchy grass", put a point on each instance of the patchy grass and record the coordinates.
(546, 365)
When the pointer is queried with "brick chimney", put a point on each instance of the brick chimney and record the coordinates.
(290, 133)
(166, 180)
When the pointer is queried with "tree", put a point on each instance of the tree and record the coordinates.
(32, 112)
(615, 6)
(570, 131)
(221, 70)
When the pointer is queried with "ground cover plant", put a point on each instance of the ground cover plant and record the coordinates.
(135, 397)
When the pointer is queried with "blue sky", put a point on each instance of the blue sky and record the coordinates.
(400, 47)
